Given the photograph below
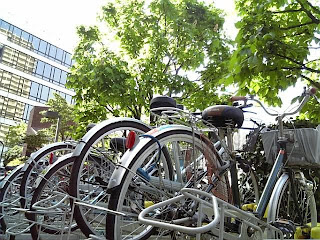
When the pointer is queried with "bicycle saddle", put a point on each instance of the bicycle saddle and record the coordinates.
(162, 101)
(223, 115)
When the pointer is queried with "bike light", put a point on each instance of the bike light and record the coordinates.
(131, 138)
(313, 91)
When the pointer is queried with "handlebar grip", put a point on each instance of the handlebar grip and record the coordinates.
(238, 98)
(313, 91)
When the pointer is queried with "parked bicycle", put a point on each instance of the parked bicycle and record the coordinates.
(146, 184)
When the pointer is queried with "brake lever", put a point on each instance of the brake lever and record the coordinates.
(249, 112)
(246, 106)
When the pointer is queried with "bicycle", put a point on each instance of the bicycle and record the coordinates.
(18, 186)
(144, 169)
(87, 152)
(161, 186)
(92, 163)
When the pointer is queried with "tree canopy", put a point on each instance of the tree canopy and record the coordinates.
(158, 46)
(278, 43)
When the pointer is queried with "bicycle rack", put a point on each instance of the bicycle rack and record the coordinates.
(217, 211)
(64, 229)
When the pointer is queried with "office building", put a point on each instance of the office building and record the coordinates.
(31, 70)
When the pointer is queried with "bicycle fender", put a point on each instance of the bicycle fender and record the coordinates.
(126, 162)
(99, 127)
(275, 195)
(44, 150)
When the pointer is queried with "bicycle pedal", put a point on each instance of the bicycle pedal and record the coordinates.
(287, 227)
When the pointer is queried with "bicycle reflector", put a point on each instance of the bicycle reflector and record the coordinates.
(51, 158)
(313, 91)
(131, 138)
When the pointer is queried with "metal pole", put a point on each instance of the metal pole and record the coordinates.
(57, 129)
(1, 151)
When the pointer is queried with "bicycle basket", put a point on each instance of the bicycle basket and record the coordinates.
(302, 147)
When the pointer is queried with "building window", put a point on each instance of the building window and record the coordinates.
(63, 79)
(43, 46)
(26, 112)
(44, 93)
(17, 31)
(35, 42)
(59, 54)
(34, 90)
(47, 71)
(53, 51)
(40, 68)
(57, 75)
(1, 51)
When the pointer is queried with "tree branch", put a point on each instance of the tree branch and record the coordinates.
(290, 59)
(167, 65)
(288, 11)
(302, 68)
(298, 26)
(316, 84)
(310, 15)
(313, 7)
(131, 110)
(296, 34)
(314, 60)
(109, 108)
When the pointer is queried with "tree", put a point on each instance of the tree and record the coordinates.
(16, 134)
(67, 116)
(35, 142)
(14, 143)
(275, 46)
(156, 46)
(13, 156)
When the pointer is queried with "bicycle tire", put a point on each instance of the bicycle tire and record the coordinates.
(54, 181)
(282, 206)
(120, 195)
(32, 168)
(248, 188)
(82, 152)
(13, 181)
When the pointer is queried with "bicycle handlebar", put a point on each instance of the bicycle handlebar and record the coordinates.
(307, 94)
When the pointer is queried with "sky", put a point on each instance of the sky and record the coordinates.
(56, 21)
(53, 21)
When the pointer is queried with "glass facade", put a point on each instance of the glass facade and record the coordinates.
(17, 93)
(35, 44)
(30, 65)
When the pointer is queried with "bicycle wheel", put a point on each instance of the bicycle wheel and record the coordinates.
(248, 187)
(191, 157)
(50, 205)
(9, 198)
(292, 200)
(36, 164)
(95, 158)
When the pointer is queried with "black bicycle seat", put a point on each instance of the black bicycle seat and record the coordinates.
(223, 115)
(162, 101)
